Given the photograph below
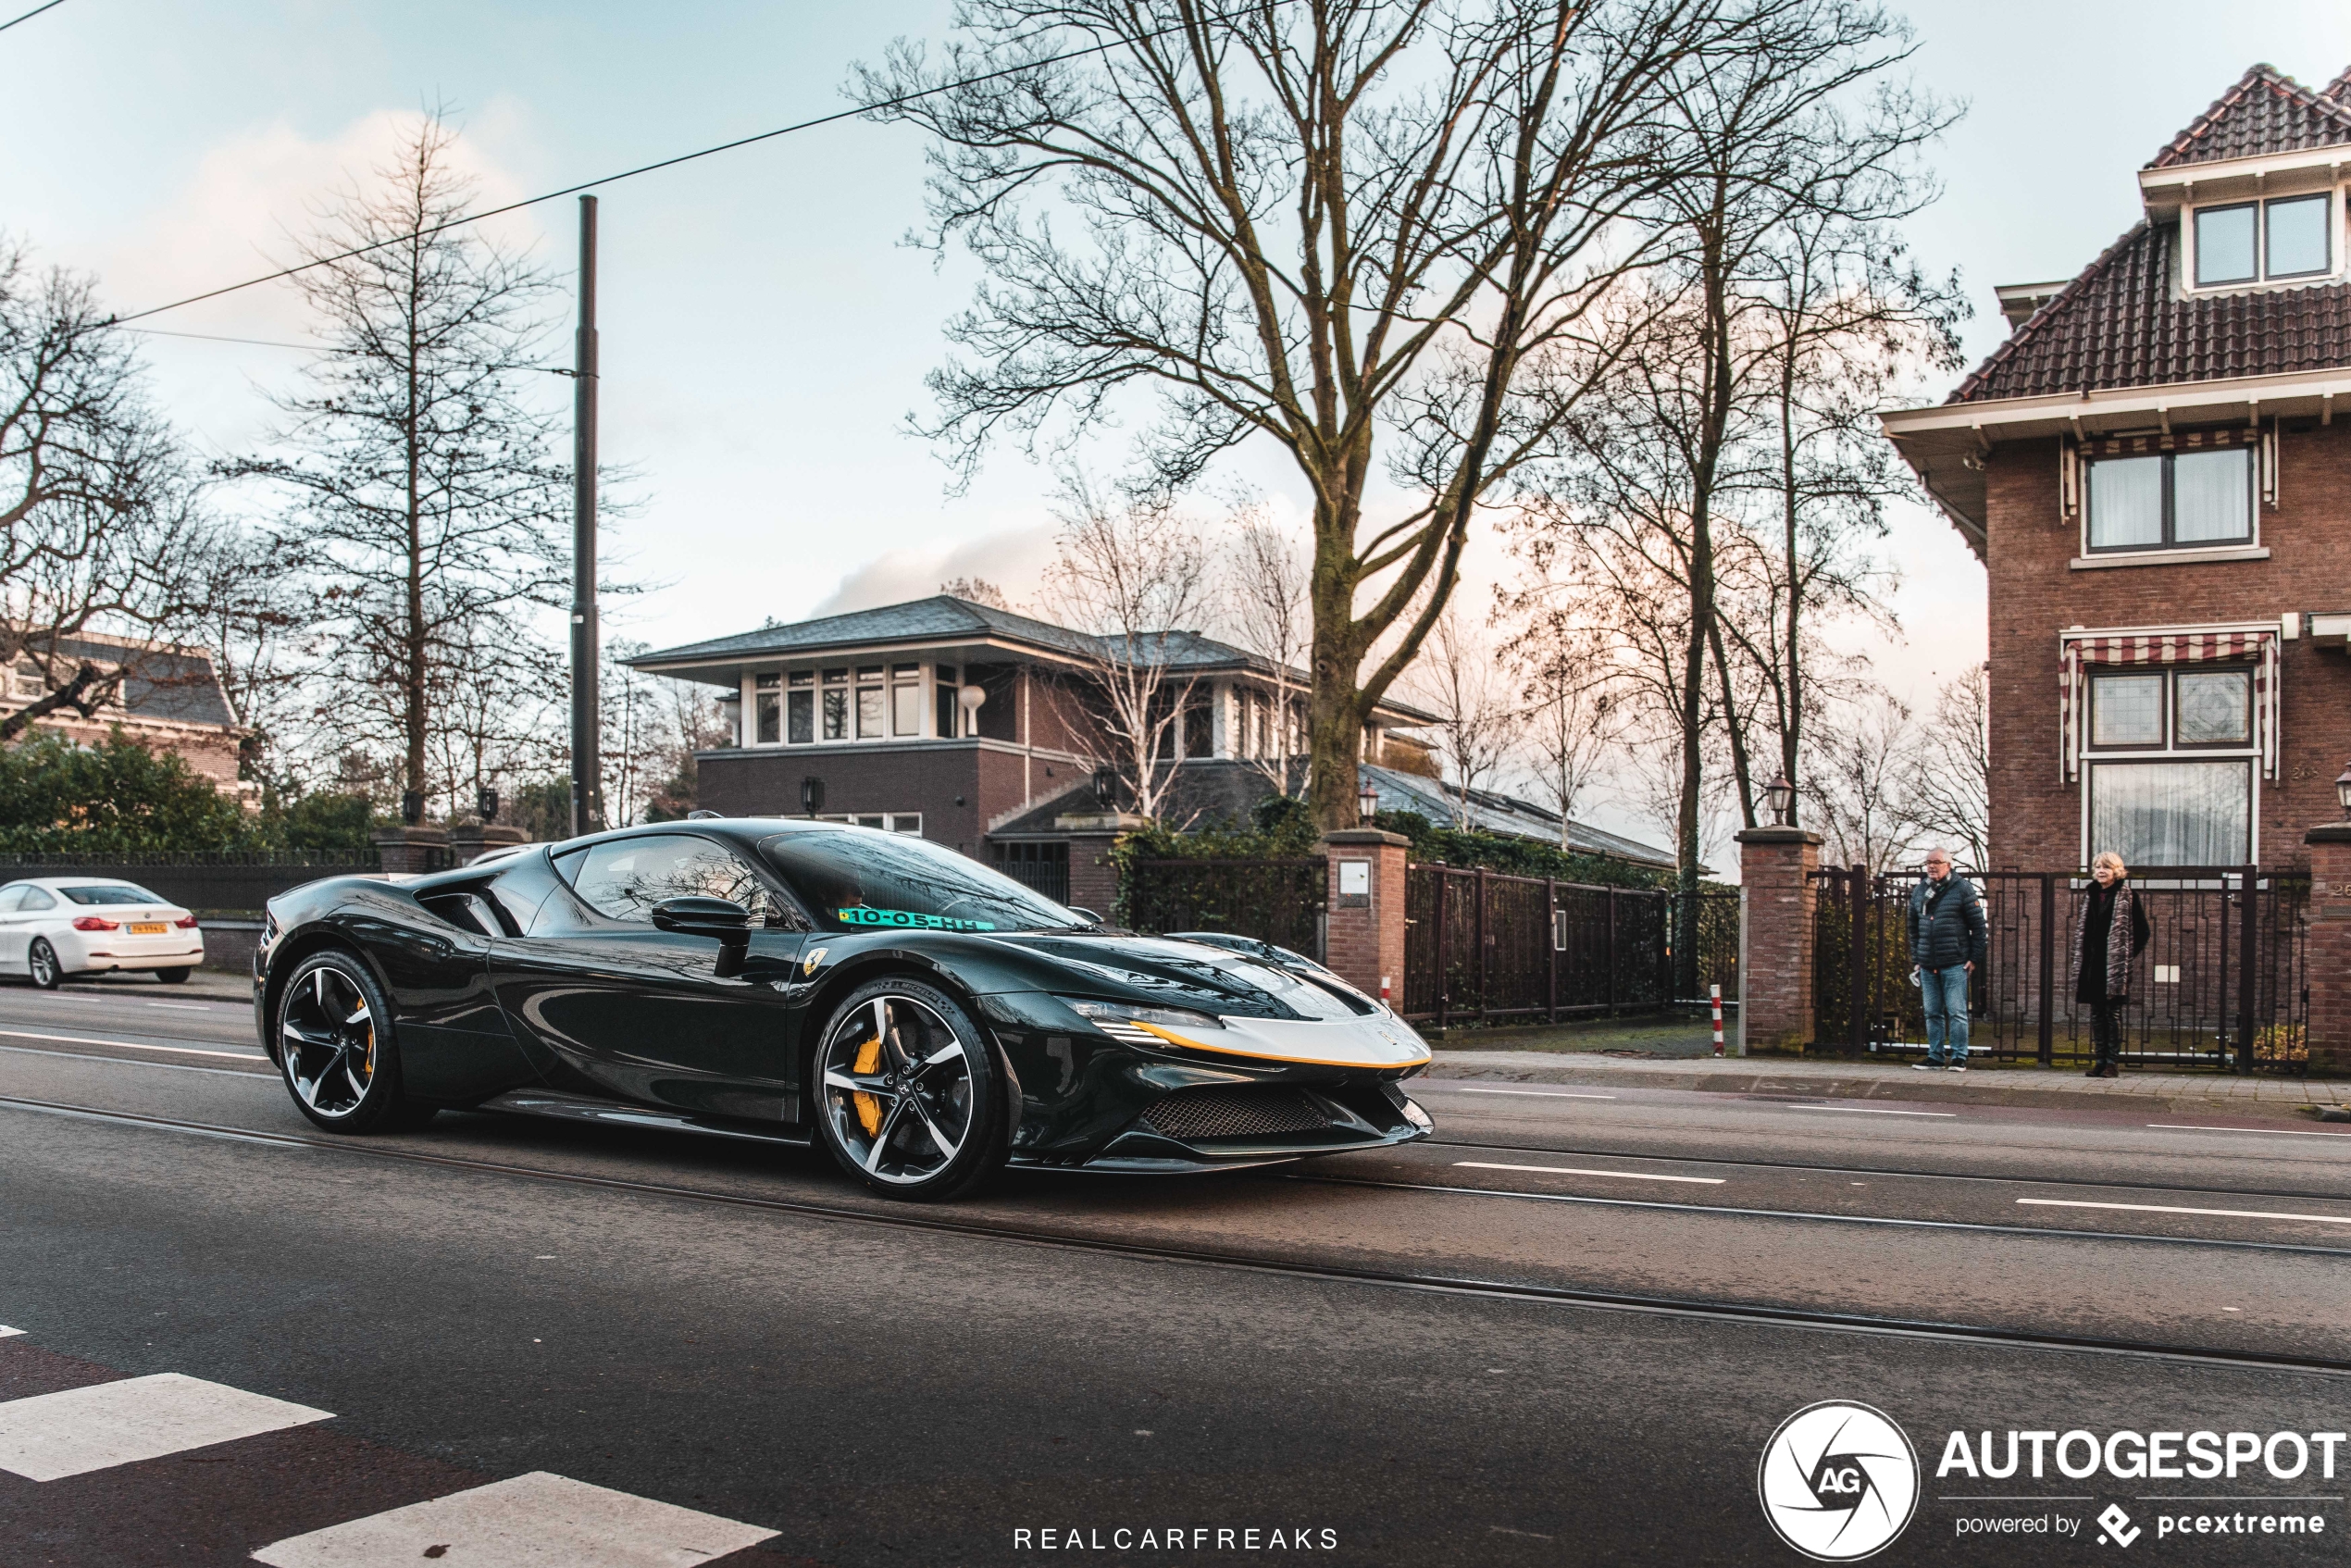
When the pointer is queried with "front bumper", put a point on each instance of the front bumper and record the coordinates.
(1172, 1137)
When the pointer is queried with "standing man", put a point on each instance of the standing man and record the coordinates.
(1948, 939)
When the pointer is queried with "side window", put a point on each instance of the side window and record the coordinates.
(12, 897)
(38, 898)
(623, 879)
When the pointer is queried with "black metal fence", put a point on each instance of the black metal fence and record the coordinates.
(1044, 867)
(2224, 982)
(1488, 946)
(1274, 901)
(227, 881)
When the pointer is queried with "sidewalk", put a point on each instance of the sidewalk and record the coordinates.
(1982, 1084)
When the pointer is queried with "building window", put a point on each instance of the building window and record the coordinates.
(799, 708)
(905, 699)
(872, 724)
(768, 705)
(2172, 813)
(836, 704)
(25, 681)
(2173, 500)
(2244, 241)
(2171, 810)
(909, 822)
(949, 686)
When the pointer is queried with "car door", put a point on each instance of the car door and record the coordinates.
(14, 942)
(623, 1010)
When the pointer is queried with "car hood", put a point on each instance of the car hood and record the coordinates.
(1179, 974)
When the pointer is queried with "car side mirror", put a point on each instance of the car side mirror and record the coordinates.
(721, 918)
(1085, 915)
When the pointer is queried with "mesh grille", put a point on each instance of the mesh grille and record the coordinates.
(1238, 1111)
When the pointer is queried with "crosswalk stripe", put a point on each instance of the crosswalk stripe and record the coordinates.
(96, 1428)
(534, 1521)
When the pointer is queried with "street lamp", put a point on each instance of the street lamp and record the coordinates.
(1106, 789)
(1366, 802)
(1781, 795)
(486, 804)
(2343, 790)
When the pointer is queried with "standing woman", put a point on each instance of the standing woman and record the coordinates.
(2111, 932)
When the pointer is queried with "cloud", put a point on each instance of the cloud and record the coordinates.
(1013, 559)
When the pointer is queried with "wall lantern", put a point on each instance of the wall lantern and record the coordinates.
(412, 806)
(1366, 802)
(486, 804)
(811, 796)
(2343, 790)
(1781, 796)
(1106, 789)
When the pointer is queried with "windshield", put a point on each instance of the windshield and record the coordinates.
(856, 879)
(112, 892)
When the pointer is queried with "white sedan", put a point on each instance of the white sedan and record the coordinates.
(55, 926)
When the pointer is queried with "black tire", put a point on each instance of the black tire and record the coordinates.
(336, 1053)
(40, 962)
(174, 976)
(901, 1073)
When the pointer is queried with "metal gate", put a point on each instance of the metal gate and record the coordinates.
(2224, 982)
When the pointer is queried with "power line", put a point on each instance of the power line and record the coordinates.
(649, 167)
(214, 337)
(12, 21)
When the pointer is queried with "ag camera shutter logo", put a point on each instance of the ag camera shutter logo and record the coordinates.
(1838, 1481)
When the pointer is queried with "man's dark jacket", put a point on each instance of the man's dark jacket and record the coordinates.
(1946, 923)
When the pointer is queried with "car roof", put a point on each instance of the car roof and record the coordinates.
(81, 882)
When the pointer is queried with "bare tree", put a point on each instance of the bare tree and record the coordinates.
(1266, 599)
(1461, 679)
(1860, 765)
(97, 508)
(245, 609)
(1358, 230)
(427, 491)
(1577, 713)
(978, 589)
(1946, 787)
(1128, 573)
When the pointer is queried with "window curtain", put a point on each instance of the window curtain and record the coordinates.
(2172, 813)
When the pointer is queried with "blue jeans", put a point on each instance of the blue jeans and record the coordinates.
(1944, 993)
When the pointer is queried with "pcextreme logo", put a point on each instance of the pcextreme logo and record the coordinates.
(1838, 1481)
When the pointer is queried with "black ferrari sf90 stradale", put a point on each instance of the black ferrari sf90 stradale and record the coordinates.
(925, 1018)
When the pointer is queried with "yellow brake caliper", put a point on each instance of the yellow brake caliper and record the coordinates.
(868, 1108)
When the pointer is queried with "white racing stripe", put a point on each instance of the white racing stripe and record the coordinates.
(133, 1045)
(1540, 1093)
(1868, 1111)
(2267, 1132)
(1574, 1170)
(534, 1521)
(2168, 1209)
(52, 1435)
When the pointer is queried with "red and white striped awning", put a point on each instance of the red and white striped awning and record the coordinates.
(2077, 651)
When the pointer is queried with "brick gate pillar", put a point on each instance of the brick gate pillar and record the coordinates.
(1363, 940)
(1776, 896)
(1094, 875)
(412, 849)
(2330, 953)
(470, 839)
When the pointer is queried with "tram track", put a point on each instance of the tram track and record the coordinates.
(1438, 1284)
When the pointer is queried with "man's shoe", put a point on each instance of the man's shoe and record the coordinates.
(1958, 1066)
(2097, 1070)
(1929, 1065)
(2110, 1071)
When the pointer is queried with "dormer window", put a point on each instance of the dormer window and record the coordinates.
(2284, 237)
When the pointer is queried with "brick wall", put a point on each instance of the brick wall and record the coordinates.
(1364, 934)
(2034, 594)
(1776, 937)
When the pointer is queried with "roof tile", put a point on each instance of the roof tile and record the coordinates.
(2265, 112)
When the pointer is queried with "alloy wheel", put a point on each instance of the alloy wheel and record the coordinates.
(326, 1037)
(43, 964)
(898, 1089)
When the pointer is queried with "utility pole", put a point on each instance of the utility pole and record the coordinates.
(587, 788)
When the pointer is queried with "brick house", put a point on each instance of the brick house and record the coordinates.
(168, 698)
(2152, 471)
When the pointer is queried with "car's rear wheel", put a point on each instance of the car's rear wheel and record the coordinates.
(911, 1098)
(173, 977)
(335, 1048)
(43, 962)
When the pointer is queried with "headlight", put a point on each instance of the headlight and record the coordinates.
(1122, 1021)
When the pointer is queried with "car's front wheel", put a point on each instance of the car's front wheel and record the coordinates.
(911, 1098)
(335, 1048)
(42, 961)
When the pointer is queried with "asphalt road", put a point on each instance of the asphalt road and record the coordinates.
(1563, 1331)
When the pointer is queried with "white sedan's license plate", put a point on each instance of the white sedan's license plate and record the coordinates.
(146, 928)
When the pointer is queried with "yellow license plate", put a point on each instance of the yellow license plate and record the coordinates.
(146, 929)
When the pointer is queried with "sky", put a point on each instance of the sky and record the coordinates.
(765, 332)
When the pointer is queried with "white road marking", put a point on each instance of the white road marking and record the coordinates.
(1868, 1111)
(2271, 1132)
(2167, 1209)
(1540, 1093)
(534, 1521)
(5, 1331)
(133, 1045)
(52, 1435)
(1572, 1170)
(185, 1006)
(133, 1061)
